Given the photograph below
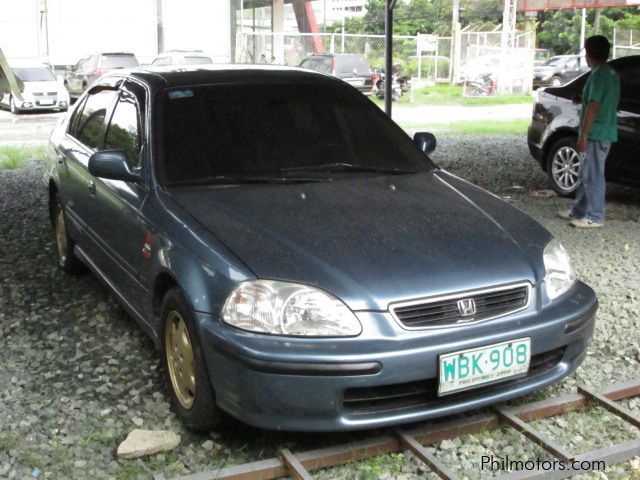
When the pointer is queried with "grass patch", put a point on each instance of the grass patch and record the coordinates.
(14, 157)
(452, 95)
(475, 127)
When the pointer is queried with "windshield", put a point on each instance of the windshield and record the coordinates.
(262, 130)
(118, 61)
(37, 74)
(556, 61)
(194, 60)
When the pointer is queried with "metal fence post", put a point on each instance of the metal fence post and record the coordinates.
(419, 55)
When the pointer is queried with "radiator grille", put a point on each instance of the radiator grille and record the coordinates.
(445, 312)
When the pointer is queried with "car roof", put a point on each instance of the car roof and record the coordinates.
(191, 75)
(621, 61)
(26, 63)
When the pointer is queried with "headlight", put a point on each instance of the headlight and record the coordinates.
(560, 274)
(282, 308)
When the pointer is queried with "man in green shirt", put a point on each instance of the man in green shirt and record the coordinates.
(598, 130)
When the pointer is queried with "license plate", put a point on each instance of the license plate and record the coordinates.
(356, 82)
(471, 368)
(46, 102)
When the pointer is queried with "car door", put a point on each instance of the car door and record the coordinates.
(624, 162)
(84, 136)
(122, 232)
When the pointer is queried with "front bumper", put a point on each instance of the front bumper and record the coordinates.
(38, 104)
(387, 375)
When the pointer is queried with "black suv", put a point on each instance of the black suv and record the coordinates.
(554, 127)
(352, 68)
(559, 70)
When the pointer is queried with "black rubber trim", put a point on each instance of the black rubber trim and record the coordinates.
(296, 368)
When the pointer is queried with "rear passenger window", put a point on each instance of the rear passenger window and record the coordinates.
(124, 130)
(90, 125)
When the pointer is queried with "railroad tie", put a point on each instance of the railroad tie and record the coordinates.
(293, 465)
(423, 454)
(533, 435)
(610, 406)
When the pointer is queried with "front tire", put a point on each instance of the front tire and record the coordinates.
(67, 260)
(192, 395)
(12, 106)
(563, 167)
(556, 81)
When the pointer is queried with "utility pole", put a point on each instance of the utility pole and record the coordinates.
(456, 38)
(508, 43)
(159, 26)
(583, 28)
(388, 51)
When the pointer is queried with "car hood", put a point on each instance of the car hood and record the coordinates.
(374, 240)
(35, 87)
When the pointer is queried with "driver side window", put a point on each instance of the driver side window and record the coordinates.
(90, 126)
(123, 132)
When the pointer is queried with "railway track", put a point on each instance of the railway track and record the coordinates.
(300, 465)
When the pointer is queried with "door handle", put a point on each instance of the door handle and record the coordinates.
(92, 187)
(61, 159)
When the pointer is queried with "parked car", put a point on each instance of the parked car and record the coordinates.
(41, 88)
(553, 131)
(559, 70)
(89, 68)
(181, 57)
(350, 67)
(300, 272)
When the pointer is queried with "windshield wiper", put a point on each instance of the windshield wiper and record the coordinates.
(237, 179)
(348, 167)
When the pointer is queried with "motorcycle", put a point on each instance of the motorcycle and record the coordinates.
(483, 86)
(399, 85)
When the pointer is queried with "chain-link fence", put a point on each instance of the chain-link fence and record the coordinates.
(291, 49)
(482, 56)
(625, 43)
(422, 57)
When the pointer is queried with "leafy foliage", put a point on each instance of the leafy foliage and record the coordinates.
(558, 30)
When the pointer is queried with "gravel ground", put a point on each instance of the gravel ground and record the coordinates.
(78, 374)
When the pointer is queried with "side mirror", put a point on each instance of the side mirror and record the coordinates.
(425, 141)
(112, 164)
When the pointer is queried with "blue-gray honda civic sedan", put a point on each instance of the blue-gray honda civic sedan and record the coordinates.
(299, 261)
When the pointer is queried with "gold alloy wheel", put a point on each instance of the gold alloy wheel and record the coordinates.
(179, 354)
(61, 237)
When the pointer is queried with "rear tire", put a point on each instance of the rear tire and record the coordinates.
(556, 81)
(563, 167)
(67, 260)
(192, 395)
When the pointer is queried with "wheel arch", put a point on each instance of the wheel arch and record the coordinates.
(563, 132)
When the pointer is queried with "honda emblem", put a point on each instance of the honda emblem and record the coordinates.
(467, 307)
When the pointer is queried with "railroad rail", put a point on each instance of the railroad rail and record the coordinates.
(300, 465)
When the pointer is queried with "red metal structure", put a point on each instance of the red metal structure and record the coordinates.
(538, 5)
(307, 23)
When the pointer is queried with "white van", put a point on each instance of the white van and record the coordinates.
(41, 91)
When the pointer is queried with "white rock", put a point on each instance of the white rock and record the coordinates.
(208, 445)
(147, 442)
(447, 445)
(137, 421)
